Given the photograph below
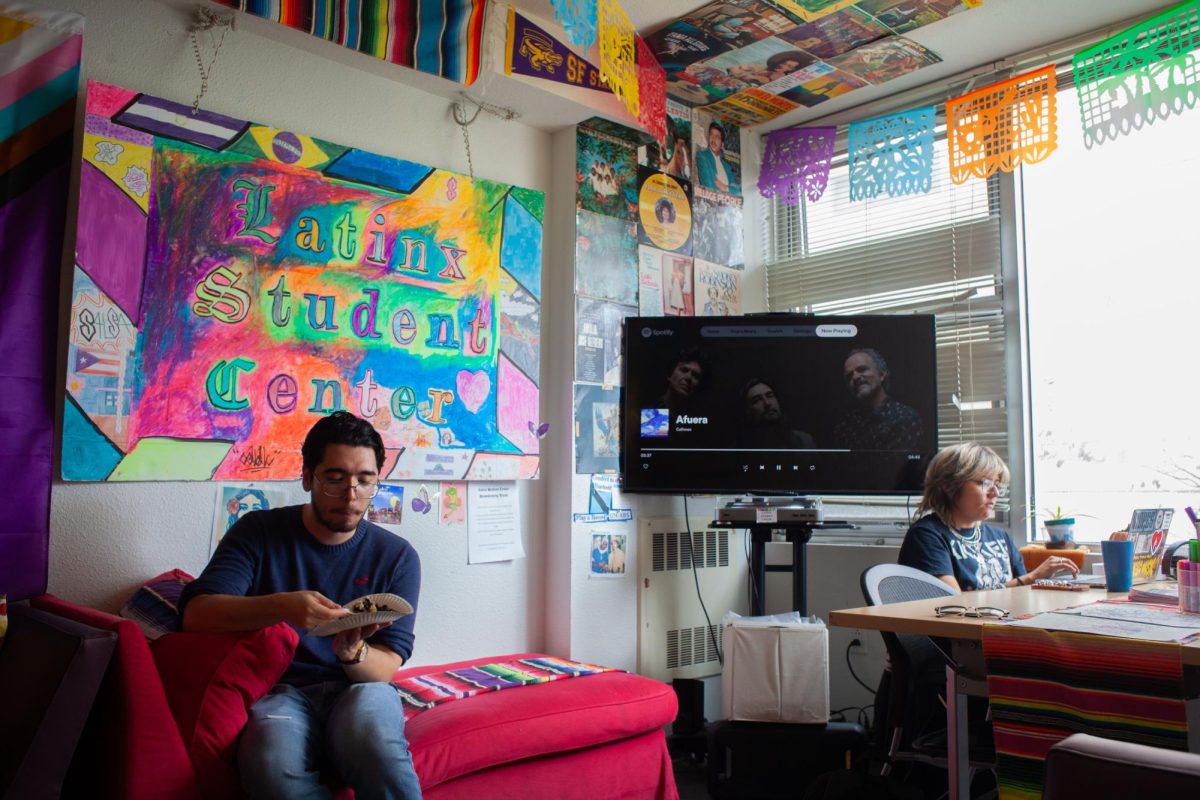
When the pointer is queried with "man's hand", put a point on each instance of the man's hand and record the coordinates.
(307, 609)
(345, 644)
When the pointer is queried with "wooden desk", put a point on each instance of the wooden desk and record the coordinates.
(969, 674)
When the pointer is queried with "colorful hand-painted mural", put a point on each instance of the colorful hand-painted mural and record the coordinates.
(234, 282)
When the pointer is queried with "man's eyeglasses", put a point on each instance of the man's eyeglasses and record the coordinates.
(987, 484)
(968, 611)
(336, 487)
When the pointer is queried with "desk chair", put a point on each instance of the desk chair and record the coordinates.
(917, 672)
(1088, 766)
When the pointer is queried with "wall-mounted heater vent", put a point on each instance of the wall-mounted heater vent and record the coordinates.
(675, 640)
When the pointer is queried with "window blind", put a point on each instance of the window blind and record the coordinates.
(933, 253)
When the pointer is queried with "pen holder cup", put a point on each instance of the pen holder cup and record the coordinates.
(1189, 587)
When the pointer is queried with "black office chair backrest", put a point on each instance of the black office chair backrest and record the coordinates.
(896, 583)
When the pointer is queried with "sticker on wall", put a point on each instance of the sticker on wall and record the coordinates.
(454, 503)
(387, 507)
(250, 297)
(601, 502)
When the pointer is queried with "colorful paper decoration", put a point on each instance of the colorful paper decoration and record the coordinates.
(442, 38)
(652, 93)
(1003, 125)
(892, 154)
(40, 65)
(225, 298)
(618, 54)
(795, 160)
(578, 18)
(1145, 73)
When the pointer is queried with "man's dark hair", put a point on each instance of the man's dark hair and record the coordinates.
(716, 126)
(798, 56)
(340, 427)
(692, 354)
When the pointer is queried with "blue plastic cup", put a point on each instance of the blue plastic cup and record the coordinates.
(1118, 565)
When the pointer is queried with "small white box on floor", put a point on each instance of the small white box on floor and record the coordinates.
(776, 669)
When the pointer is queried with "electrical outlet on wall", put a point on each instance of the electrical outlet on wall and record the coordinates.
(866, 641)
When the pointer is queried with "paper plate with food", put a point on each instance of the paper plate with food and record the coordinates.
(371, 609)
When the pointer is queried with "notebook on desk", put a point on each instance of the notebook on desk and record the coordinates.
(1148, 528)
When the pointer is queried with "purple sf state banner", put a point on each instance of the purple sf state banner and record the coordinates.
(535, 53)
(39, 78)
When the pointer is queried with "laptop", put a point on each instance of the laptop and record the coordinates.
(1148, 528)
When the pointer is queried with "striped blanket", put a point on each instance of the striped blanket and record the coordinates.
(441, 38)
(1046, 685)
(422, 692)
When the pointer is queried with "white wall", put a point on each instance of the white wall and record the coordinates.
(107, 538)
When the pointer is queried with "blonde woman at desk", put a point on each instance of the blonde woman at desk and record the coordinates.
(951, 540)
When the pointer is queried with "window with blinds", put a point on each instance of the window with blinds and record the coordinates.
(929, 253)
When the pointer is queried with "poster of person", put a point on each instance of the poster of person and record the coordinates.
(700, 84)
(387, 507)
(738, 23)
(881, 61)
(717, 227)
(650, 272)
(664, 211)
(718, 290)
(608, 555)
(235, 501)
(598, 340)
(604, 173)
(717, 160)
(597, 431)
(678, 300)
(820, 82)
(454, 503)
(675, 157)
(837, 33)
(903, 16)
(606, 257)
(763, 62)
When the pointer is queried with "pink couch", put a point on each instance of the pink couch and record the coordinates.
(167, 717)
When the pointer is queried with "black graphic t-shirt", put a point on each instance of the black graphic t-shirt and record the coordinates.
(978, 559)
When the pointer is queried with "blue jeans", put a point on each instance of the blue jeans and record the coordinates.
(355, 732)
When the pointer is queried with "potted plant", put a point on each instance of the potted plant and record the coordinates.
(1060, 529)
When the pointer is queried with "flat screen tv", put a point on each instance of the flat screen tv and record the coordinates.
(778, 404)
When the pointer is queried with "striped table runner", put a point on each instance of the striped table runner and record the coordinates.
(422, 692)
(442, 38)
(1045, 685)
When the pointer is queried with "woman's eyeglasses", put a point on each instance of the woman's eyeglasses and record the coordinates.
(968, 611)
(987, 484)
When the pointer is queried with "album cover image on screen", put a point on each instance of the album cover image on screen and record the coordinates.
(779, 403)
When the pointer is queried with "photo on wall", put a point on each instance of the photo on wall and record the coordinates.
(664, 211)
(717, 227)
(605, 172)
(608, 555)
(597, 429)
(717, 159)
(718, 290)
(598, 340)
(606, 257)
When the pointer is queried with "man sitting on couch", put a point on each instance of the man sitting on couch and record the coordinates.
(334, 708)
